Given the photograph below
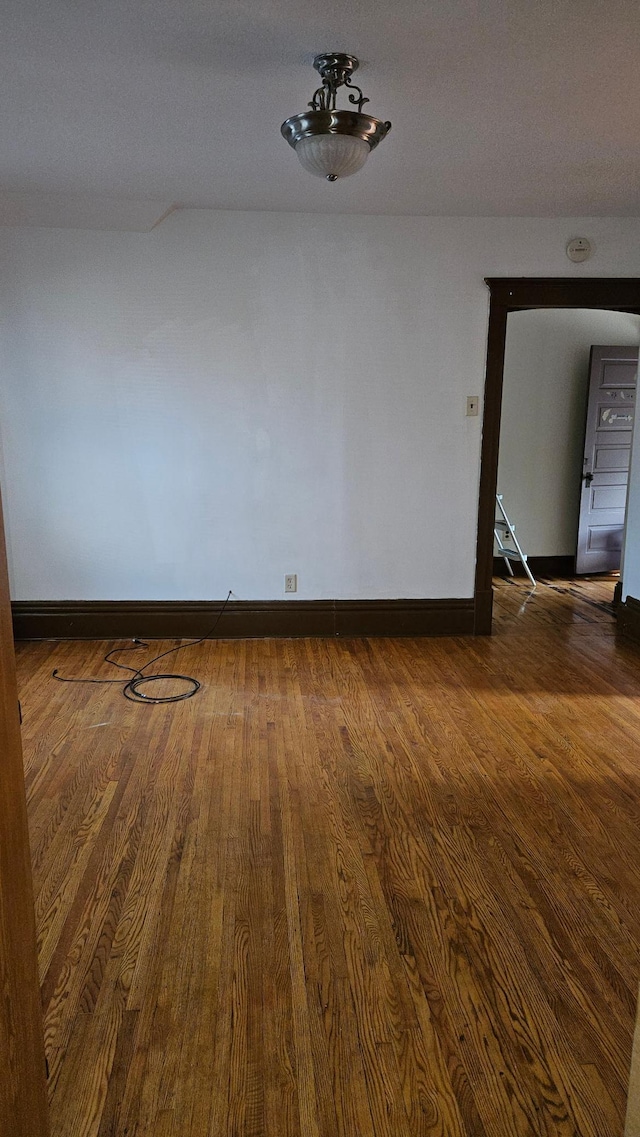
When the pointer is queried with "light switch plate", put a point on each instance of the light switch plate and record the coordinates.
(473, 405)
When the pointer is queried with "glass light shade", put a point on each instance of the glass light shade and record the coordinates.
(333, 155)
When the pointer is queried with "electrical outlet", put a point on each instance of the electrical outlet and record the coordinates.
(291, 582)
(473, 403)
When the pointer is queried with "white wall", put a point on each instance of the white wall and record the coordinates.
(234, 396)
(546, 381)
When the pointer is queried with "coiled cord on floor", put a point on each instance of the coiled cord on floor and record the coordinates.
(131, 687)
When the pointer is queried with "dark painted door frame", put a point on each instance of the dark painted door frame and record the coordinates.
(514, 294)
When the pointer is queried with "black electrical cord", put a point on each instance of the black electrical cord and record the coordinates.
(131, 687)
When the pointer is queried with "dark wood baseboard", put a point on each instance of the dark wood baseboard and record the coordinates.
(242, 619)
(628, 616)
(558, 567)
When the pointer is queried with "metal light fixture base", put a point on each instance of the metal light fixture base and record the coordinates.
(337, 66)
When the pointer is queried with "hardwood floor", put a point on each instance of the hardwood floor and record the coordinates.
(353, 887)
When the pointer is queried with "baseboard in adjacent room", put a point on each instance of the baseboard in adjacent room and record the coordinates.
(558, 568)
(242, 619)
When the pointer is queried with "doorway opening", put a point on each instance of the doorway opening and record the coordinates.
(521, 295)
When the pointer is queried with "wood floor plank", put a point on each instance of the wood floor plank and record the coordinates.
(353, 888)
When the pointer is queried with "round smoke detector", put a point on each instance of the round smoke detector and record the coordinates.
(579, 249)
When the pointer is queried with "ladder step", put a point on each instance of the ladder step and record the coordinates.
(503, 531)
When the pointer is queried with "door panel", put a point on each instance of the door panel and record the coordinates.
(619, 372)
(608, 497)
(23, 1104)
(607, 451)
(614, 458)
(603, 538)
(615, 417)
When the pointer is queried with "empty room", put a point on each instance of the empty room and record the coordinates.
(320, 569)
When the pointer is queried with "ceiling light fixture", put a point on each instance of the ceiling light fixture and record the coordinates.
(333, 144)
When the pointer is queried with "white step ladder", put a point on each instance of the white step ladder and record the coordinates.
(503, 531)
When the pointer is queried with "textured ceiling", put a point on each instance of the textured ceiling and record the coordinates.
(517, 107)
